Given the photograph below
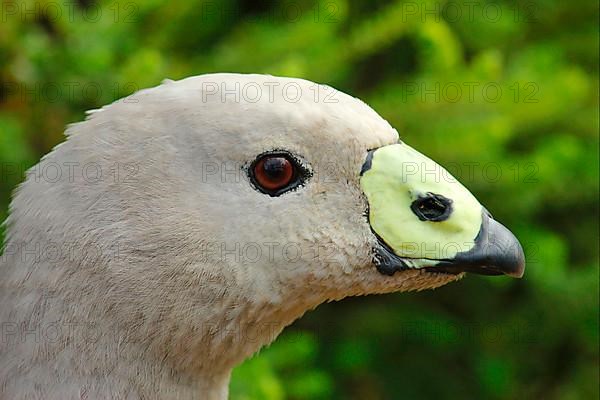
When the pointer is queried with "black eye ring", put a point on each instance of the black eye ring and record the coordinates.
(277, 172)
(432, 207)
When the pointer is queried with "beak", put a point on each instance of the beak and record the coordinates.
(467, 239)
(496, 252)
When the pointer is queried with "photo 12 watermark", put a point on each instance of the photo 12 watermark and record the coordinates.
(469, 92)
(70, 11)
(235, 173)
(89, 173)
(67, 91)
(327, 12)
(271, 92)
(80, 332)
(468, 11)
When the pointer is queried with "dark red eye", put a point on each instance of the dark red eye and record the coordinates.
(274, 172)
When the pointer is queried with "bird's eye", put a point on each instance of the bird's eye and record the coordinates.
(432, 207)
(275, 173)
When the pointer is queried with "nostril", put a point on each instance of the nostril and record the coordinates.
(432, 207)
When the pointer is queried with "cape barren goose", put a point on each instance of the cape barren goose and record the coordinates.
(177, 231)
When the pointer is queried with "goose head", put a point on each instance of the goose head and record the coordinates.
(191, 222)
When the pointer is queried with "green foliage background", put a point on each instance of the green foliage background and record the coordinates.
(533, 152)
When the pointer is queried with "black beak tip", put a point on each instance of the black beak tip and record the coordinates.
(497, 252)
(513, 263)
(509, 258)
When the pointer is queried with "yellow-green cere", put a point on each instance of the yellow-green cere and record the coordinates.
(398, 176)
